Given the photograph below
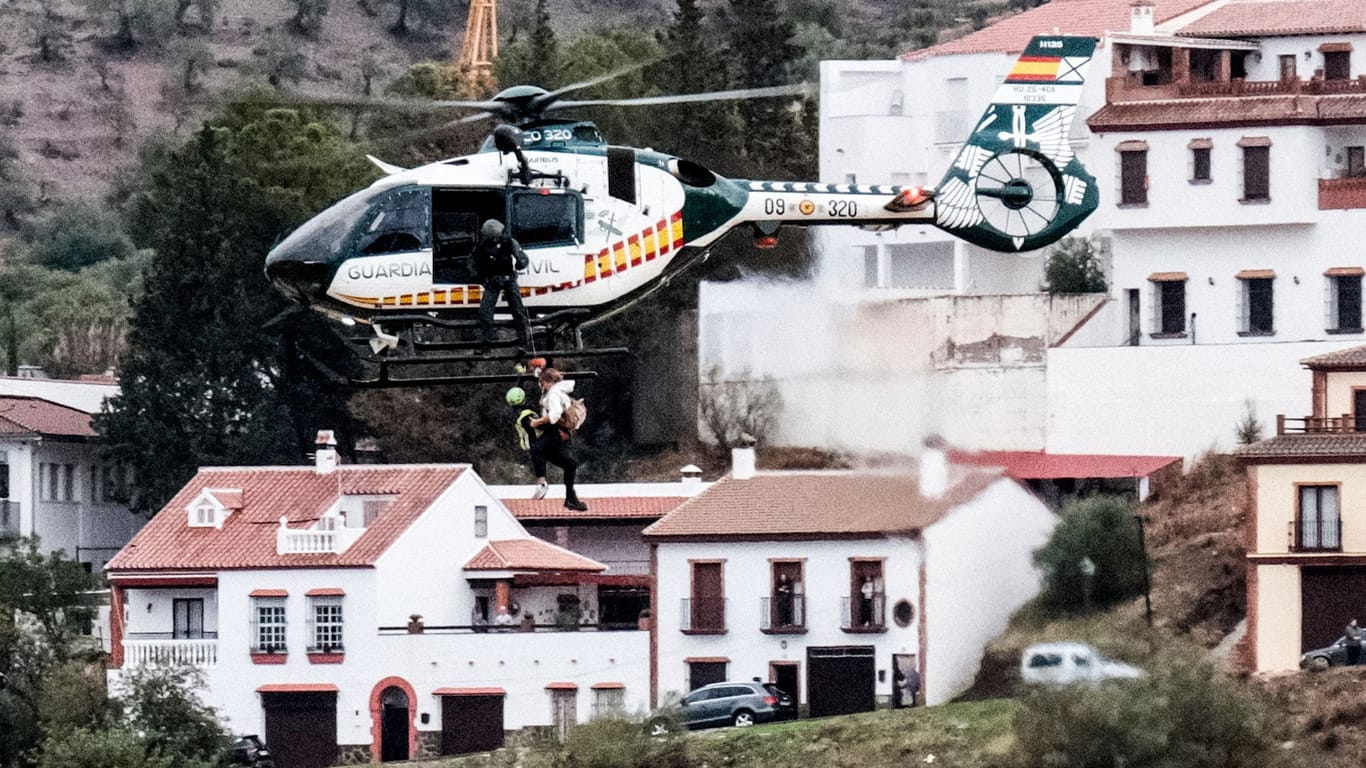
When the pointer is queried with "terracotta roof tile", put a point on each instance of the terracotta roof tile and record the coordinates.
(1277, 18)
(1352, 358)
(1350, 445)
(1037, 465)
(1067, 17)
(599, 508)
(1197, 112)
(816, 504)
(247, 538)
(22, 415)
(529, 555)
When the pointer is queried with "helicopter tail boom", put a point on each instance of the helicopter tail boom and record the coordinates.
(1016, 185)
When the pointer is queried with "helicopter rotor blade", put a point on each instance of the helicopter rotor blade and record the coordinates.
(794, 89)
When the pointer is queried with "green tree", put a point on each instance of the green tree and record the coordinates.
(74, 695)
(761, 41)
(162, 704)
(77, 236)
(1100, 529)
(115, 747)
(533, 60)
(691, 63)
(1076, 265)
(205, 381)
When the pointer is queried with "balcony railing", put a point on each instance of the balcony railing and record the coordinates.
(1316, 535)
(200, 653)
(1319, 424)
(329, 537)
(9, 519)
(863, 613)
(703, 615)
(1342, 194)
(782, 613)
(626, 567)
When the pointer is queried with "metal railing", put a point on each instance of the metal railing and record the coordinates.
(626, 567)
(863, 612)
(1319, 424)
(201, 653)
(702, 614)
(1315, 534)
(782, 612)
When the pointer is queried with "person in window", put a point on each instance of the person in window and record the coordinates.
(553, 444)
(497, 259)
(784, 594)
(866, 600)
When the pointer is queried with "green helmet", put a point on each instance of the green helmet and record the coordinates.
(516, 396)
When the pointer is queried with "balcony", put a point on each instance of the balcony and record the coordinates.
(703, 616)
(155, 648)
(328, 537)
(861, 614)
(1315, 535)
(1342, 194)
(1317, 425)
(9, 519)
(782, 615)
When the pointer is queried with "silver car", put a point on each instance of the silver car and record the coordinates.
(738, 704)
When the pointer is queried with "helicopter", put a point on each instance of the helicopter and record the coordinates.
(604, 225)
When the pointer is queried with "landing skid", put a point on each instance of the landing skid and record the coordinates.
(421, 350)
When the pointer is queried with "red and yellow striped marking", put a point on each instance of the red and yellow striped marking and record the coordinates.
(1035, 69)
(654, 241)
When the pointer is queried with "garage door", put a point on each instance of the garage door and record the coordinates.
(1329, 598)
(471, 723)
(839, 680)
(301, 728)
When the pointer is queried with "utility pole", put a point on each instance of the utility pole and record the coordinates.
(480, 48)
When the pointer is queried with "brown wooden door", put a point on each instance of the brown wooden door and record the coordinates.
(301, 728)
(1329, 598)
(708, 601)
(471, 724)
(839, 680)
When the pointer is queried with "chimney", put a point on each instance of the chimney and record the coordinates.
(934, 467)
(742, 463)
(325, 458)
(1141, 17)
(692, 480)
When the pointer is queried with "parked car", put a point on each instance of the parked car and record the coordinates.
(1319, 659)
(1067, 663)
(737, 704)
(249, 751)
(786, 706)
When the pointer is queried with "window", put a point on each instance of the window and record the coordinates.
(1356, 161)
(1337, 65)
(865, 608)
(325, 634)
(57, 481)
(4, 480)
(1200, 161)
(1344, 300)
(705, 611)
(1169, 303)
(1133, 176)
(399, 222)
(705, 672)
(903, 613)
(1318, 525)
(1257, 314)
(371, 509)
(609, 701)
(543, 220)
(268, 625)
(204, 515)
(481, 522)
(1256, 169)
(1288, 67)
(187, 622)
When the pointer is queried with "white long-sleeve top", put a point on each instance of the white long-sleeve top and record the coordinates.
(556, 399)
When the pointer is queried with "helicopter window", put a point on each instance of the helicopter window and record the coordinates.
(587, 134)
(540, 220)
(399, 222)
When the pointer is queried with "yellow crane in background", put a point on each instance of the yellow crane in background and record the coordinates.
(480, 48)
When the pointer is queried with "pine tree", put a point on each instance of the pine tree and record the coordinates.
(706, 133)
(761, 43)
(205, 382)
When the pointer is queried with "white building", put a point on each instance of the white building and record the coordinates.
(1227, 137)
(55, 482)
(352, 613)
(834, 584)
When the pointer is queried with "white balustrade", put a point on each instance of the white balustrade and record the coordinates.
(201, 653)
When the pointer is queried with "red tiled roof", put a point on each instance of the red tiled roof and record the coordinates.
(1228, 111)
(599, 508)
(1352, 358)
(1276, 18)
(1346, 446)
(1066, 17)
(22, 415)
(529, 555)
(815, 504)
(247, 538)
(1037, 465)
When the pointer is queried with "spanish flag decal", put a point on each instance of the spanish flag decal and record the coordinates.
(1035, 69)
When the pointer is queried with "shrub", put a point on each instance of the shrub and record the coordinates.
(1076, 265)
(93, 748)
(612, 743)
(1185, 713)
(1103, 530)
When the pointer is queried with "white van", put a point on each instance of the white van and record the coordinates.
(1068, 663)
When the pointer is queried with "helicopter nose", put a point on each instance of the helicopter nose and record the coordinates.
(297, 276)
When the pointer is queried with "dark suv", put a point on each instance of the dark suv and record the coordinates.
(738, 704)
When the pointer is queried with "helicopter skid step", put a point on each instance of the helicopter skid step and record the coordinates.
(492, 356)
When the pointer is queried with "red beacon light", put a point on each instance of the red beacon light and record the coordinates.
(910, 199)
(765, 242)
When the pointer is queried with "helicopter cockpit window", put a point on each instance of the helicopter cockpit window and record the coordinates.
(588, 134)
(398, 222)
(542, 220)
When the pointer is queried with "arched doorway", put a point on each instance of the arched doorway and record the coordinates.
(394, 719)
